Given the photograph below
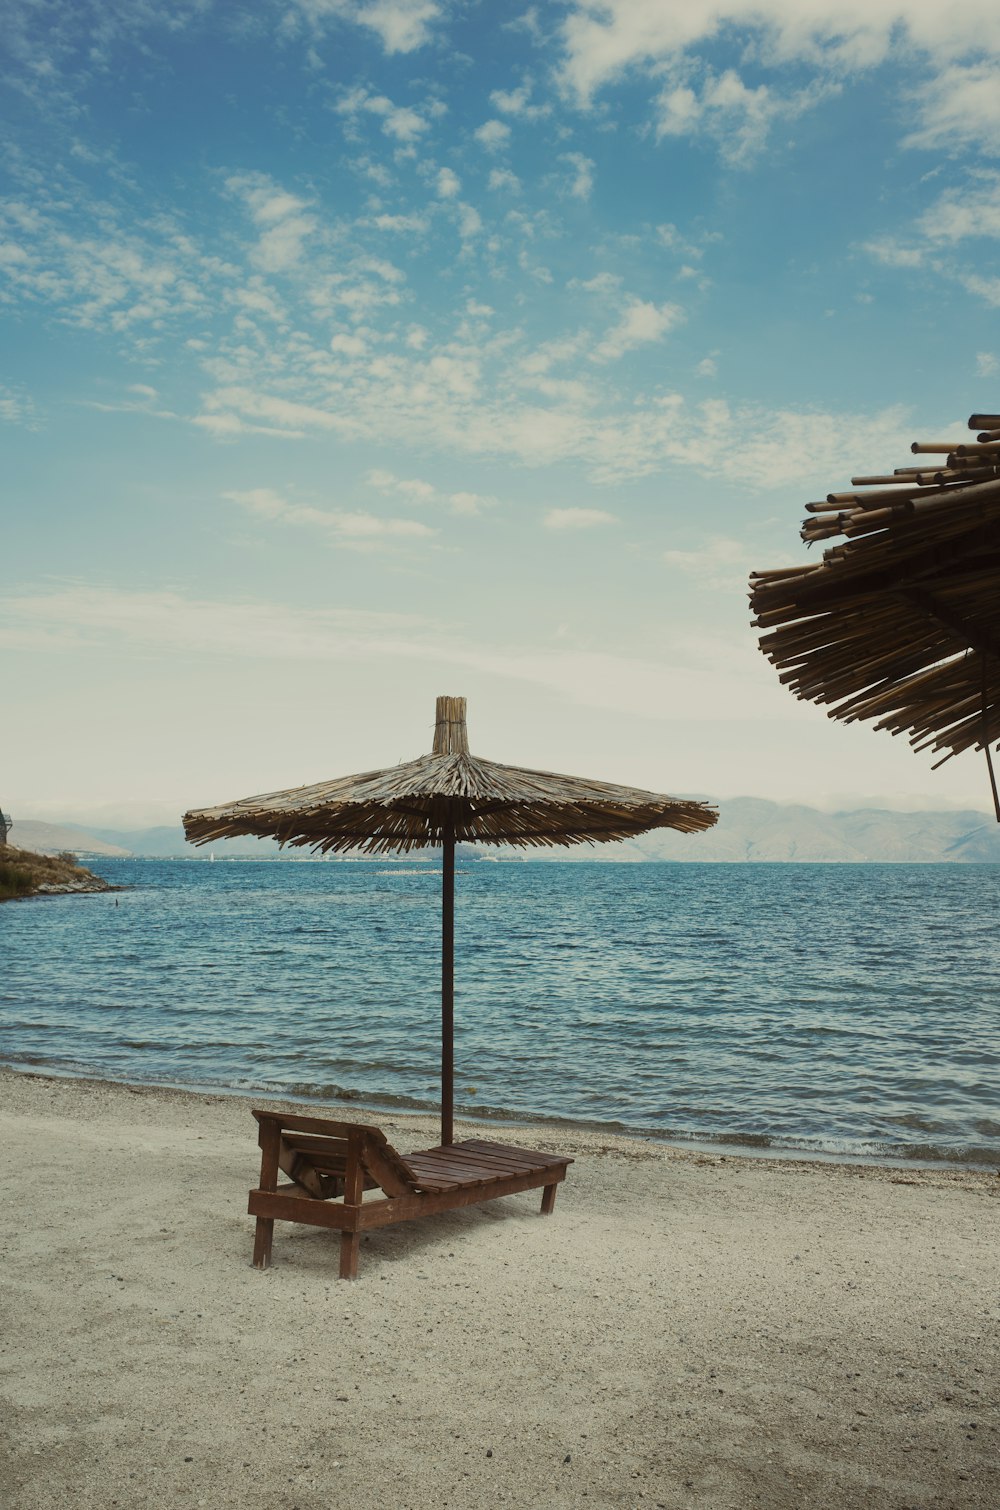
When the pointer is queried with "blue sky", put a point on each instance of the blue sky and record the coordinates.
(358, 352)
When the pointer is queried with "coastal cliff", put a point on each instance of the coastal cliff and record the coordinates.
(23, 874)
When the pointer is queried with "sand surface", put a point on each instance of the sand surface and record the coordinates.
(685, 1330)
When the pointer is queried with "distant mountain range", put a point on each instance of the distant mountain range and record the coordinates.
(749, 829)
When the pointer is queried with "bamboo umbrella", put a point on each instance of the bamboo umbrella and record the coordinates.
(443, 799)
(900, 623)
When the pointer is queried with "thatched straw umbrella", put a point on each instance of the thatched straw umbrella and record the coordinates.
(446, 798)
(901, 622)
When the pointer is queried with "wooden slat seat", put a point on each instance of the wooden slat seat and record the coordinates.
(331, 1165)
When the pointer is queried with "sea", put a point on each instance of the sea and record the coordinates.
(848, 1011)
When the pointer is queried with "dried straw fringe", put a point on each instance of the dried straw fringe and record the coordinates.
(901, 622)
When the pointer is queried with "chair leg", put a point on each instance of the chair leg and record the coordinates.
(350, 1243)
(262, 1242)
(549, 1199)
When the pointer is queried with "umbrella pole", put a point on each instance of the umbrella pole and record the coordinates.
(448, 985)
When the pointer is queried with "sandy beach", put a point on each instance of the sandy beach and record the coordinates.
(686, 1329)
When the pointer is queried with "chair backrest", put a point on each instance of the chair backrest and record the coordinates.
(315, 1151)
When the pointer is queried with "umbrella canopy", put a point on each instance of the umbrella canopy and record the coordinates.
(449, 796)
(901, 622)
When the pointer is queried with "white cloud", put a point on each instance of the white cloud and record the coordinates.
(582, 182)
(448, 184)
(960, 107)
(577, 519)
(515, 102)
(641, 323)
(688, 683)
(493, 135)
(92, 615)
(419, 492)
(987, 289)
(400, 224)
(967, 211)
(503, 178)
(971, 209)
(16, 408)
(402, 25)
(280, 412)
(891, 254)
(346, 526)
(399, 122)
(737, 117)
(469, 222)
(601, 283)
(258, 299)
(721, 563)
(987, 364)
(282, 217)
(707, 367)
(604, 38)
(348, 345)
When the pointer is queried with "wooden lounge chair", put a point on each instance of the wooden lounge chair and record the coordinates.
(332, 1164)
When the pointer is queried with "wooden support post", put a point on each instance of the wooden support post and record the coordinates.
(269, 1139)
(549, 1199)
(262, 1243)
(448, 987)
(350, 1243)
(354, 1189)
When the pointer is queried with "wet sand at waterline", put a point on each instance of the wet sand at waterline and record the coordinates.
(686, 1329)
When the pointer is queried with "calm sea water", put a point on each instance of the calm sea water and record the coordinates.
(845, 1009)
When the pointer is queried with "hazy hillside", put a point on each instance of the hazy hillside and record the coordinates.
(749, 829)
(62, 838)
(168, 843)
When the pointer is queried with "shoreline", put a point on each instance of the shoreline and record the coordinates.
(686, 1329)
(496, 1120)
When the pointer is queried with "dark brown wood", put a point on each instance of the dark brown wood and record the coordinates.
(354, 1179)
(269, 1140)
(511, 1151)
(440, 1179)
(384, 1169)
(300, 1168)
(549, 1199)
(322, 1125)
(448, 984)
(406, 1208)
(350, 1243)
(262, 1242)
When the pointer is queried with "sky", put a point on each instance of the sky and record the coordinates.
(359, 351)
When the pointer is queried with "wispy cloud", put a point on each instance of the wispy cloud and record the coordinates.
(722, 563)
(640, 324)
(17, 408)
(281, 219)
(402, 26)
(581, 184)
(603, 40)
(400, 122)
(692, 679)
(966, 211)
(346, 527)
(959, 107)
(577, 519)
(418, 492)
